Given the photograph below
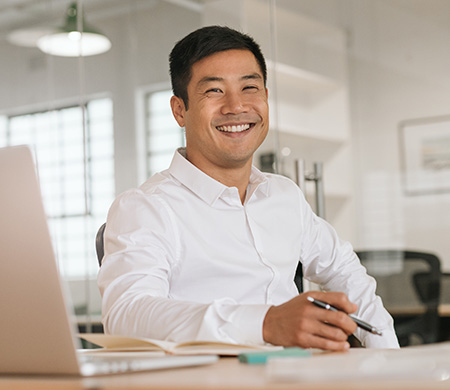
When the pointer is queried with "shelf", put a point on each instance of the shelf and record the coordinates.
(308, 148)
(310, 135)
(333, 201)
(290, 81)
(308, 104)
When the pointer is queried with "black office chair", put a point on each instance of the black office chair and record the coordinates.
(445, 288)
(99, 244)
(298, 278)
(409, 279)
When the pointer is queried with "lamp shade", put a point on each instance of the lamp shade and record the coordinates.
(73, 41)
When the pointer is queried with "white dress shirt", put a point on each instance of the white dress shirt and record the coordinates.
(186, 260)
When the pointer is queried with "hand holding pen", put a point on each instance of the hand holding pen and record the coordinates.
(362, 324)
(297, 322)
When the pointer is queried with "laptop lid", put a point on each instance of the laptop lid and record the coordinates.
(36, 334)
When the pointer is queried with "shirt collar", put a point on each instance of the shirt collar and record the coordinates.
(206, 187)
(258, 181)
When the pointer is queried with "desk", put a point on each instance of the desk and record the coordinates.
(444, 310)
(404, 312)
(227, 374)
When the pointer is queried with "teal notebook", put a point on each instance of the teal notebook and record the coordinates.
(261, 357)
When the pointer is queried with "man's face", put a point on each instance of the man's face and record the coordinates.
(228, 115)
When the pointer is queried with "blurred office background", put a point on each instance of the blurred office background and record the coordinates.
(360, 86)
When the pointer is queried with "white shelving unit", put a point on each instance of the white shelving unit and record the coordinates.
(308, 94)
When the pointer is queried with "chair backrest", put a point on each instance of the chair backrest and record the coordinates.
(298, 278)
(445, 287)
(404, 277)
(408, 279)
(99, 244)
(428, 287)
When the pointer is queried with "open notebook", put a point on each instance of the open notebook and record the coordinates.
(37, 335)
(116, 343)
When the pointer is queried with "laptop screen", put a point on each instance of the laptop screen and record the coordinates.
(36, 332)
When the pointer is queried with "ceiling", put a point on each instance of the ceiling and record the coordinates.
(24, 14)
(32, 14)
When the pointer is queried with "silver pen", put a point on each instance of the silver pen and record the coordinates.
(362, 324)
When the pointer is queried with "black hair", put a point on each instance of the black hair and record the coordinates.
(202, 43)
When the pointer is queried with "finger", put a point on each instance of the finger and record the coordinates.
(314, 341)
(330, 332)
(334, 319)
(337, 320)
(336, 299)
(335, 326)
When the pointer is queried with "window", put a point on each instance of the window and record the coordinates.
(163, 135)
(76, 174)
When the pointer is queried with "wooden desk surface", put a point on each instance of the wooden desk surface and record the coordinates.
(227, 374)
(444, 310)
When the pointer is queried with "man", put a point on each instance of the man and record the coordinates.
(208, 249)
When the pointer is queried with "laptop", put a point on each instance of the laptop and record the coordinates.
(37, 334)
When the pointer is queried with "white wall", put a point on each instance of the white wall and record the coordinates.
(400, 62)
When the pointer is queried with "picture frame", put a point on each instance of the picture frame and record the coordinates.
(425, 155)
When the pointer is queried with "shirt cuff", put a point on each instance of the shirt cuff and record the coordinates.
(387, 340)
(246, 326)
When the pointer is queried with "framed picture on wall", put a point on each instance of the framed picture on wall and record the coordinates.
(425, 155)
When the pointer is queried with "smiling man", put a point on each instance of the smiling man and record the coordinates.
(227, 119)
(207, 249)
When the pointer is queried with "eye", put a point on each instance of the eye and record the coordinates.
(214, 90)
(250, 88)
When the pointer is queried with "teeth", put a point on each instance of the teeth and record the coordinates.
(234, 129)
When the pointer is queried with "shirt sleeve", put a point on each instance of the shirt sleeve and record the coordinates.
(141, 249)
(332, 264)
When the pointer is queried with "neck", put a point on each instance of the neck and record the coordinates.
(237, 176)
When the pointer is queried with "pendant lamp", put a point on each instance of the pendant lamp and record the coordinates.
(73, 41)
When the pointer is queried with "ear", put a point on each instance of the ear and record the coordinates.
(178, 110)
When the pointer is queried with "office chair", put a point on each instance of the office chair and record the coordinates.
(445, 288)
(99, 244)
(408, 278)
(298, 278)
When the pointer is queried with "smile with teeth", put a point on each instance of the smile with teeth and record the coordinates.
(234, 128)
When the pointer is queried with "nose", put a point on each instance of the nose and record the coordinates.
(234, 103)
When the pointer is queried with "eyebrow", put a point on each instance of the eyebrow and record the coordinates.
(208, 79)
(253, 76)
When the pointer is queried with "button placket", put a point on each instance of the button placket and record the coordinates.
(259, 249)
